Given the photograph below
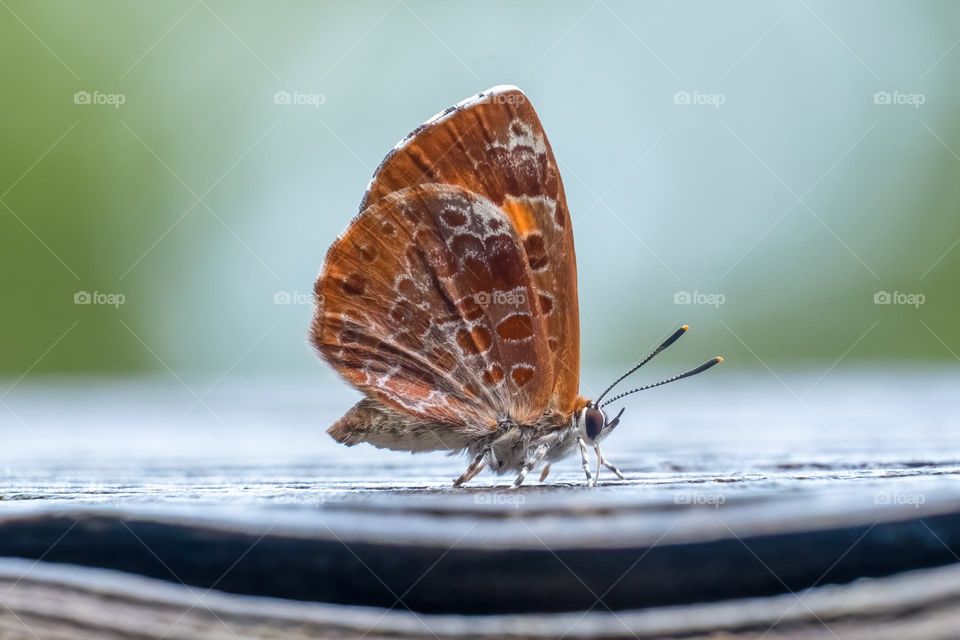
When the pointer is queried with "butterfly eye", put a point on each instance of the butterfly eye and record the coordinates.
(593, 421)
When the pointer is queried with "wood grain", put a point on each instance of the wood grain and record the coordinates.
(59, 603)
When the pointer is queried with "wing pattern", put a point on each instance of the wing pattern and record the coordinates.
(494, 144)
(452, 297)
(427, 304)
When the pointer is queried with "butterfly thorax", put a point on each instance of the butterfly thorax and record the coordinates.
(508, 447)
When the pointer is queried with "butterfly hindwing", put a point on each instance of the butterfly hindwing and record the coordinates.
(494, 145)
(426, 304)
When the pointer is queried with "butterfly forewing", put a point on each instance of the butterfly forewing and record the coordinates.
(494, 145)
(427, 304)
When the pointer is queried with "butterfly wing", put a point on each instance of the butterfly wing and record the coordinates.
(494, 145)
(426, 304)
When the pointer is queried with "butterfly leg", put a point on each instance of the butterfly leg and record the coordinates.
(532, 460)
(487, 455)
(476, 466)
(545, 472)
(608, 465)
(585, 463)
(476, 471)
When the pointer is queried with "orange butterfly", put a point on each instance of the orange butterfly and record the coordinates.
(451, 299)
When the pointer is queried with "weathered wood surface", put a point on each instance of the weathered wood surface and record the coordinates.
(735, 502)
(441, 553)
(61, 603)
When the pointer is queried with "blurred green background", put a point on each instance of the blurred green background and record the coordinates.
(778, 164)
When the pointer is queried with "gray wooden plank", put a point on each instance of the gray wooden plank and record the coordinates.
(60, 601)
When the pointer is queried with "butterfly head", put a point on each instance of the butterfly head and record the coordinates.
(593, 424)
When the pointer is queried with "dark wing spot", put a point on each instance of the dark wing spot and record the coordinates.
(493, 375)
(536, 252)
(473, 342)
(466, 243)
(477, 266)
(517, 327)
(354, 284)
(367, 251)
(546, 304)
(465, 342)
(470, 309)
(407, 287)
(521, 374)
(482, 337)
(402, 313)
(454, 217)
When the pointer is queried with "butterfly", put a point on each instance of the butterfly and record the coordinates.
(450, 301)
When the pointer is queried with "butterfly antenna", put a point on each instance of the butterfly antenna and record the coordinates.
(706, 365)
(666, 343)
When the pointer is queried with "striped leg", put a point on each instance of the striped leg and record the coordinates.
(532, 461)
(475, 467)
(476, 471)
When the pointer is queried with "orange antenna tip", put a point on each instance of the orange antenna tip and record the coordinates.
(685, 327)
(719, 359)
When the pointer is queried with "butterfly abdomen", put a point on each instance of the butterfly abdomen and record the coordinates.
(371, 422)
